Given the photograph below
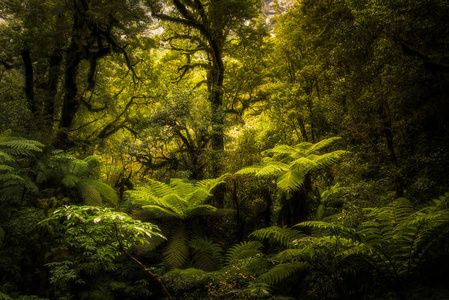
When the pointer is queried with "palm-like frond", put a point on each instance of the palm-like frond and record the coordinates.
(243, 250)
(160, 212)
(291, 165)
(200, 210)
(106, 191)
(209, 184)
(328, 228)
(10, 172)
(291, 180)
(5, 158)
(207, 255)
(183, 199)
(177, 250)
(281, 272)
(273, 168)
(16, 146)
(89, 194)
(322, 144)
(280, 235)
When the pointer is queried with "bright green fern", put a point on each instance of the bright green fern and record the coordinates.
(183, 203)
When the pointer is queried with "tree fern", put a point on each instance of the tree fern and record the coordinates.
(11, 174)
(81, 176)
(183, 202)
(291, 164)
(179, 198)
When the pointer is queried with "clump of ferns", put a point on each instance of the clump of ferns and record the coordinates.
(391, 248)
(64, 175)
(16, 155)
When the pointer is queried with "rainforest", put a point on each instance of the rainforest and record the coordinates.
(224, 149)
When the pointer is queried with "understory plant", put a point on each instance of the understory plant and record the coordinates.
(292, 168)
(95, 238)
(397, 251)
(182, 205)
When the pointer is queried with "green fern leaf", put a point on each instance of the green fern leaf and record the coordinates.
(243, 250)
(106, 191)
(11, 178)
(207, 255)
(281, 272)
(160, 212)
(290, 254)
(70, 180)
(89, 194)
(181, 188)
(5, 168)
(280, 235)
(333, 229)
(185, 273)
(20, 146)
(5, 158)
(177, 251)
(291, 181)
(322, 144)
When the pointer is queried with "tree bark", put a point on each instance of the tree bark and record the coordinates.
(29, 80)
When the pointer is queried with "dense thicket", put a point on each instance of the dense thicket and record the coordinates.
(212, 149)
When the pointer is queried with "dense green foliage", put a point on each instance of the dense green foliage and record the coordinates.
(224, 149)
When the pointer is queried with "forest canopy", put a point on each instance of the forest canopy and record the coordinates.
(224, 149)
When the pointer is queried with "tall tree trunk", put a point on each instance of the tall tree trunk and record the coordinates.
(71, 103)
(216, 102)
(29, 80)
(388, 134)
(54, 69)
(75, 53)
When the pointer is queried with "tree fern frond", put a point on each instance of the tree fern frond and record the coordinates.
(210, 184)
(243, 250)
(207, 255)
(249, 170)
(281, 272)
(143, 195)
(291, 181)
(160, 212)
(273, 169)
(198, 197)
(89, 194)
(322, 144)
(280, 235)
(106, 191)
(185, 273)
(20, 146)
(181, 187)
(280, 149)
(70, 180)
(289, 254)
(5, 158)
(177, 250)
(333, 229)
(6, 168)
(11, 178)
(199, 210)
(174, 203)
(159, 189)
(394, 213)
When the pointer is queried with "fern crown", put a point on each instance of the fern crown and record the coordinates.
(291, 164)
